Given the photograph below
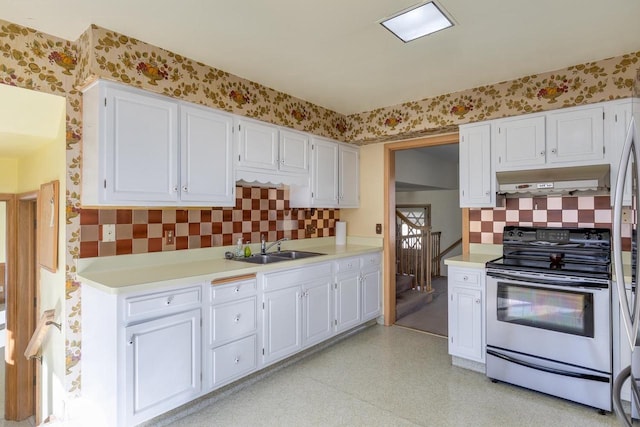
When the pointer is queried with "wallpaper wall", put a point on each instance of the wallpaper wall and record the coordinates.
(37, 61)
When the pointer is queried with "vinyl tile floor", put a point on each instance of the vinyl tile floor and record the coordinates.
(387, 376)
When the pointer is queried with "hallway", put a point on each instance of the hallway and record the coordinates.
(386, 376)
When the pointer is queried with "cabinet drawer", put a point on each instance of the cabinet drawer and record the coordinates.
(233, 360)
(370, 260)
(230, 291)
(467, 277)
(347, 265)
(162, 303)
(232, 320)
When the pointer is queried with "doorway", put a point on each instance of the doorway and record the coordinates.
(390, 151)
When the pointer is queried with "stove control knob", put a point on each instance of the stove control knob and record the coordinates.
(587, 235)
(510, 233)
(599, 236)
(520, 233)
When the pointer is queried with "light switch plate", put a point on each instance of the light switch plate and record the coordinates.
(108, 232)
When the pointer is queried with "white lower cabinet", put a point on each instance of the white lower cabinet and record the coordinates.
(297, 310)
(141, 352)
(371, 278)
(348, 294)
(232, 332)
(146, 353)
(466, 313)
(163, 364)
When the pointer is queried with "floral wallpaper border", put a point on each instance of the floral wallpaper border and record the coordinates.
(37, 61)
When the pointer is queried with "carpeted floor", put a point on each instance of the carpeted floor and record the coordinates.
(432, 317)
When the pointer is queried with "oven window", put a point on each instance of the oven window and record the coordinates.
(556, 310)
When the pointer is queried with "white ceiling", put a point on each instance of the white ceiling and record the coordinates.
(335, 54)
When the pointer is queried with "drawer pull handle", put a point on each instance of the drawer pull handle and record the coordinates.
(169, 300)
(236, 360)
(237, 289)
(237, 318)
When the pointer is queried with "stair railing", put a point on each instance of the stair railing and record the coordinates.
(414, 252)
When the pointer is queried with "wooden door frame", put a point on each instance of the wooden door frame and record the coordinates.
(389, 213)
(20, 399)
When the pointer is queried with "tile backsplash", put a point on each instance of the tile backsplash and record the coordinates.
(486, 224)
(258, 211)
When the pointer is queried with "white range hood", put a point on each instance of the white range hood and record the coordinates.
(579, 180)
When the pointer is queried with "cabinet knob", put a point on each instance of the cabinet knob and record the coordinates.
(465, 278)
(184, 189)
(478, 301)
(236, 360)
(486, 193)
(175, 189)
(169, 300)
(237, 318)
(237, 289)
(554, 151)
(542, 153)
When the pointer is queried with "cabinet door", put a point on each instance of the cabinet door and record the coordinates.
(519, 143)
(257, 145)
(206, 157)
(141, 147)
(576, 136)
(371, 298)
(324, 180)
(465, 323)
(163, 364)
(348, 297)
(317, 312)
(476, 183)
(294, 152)
(349, 177)
(281, 322)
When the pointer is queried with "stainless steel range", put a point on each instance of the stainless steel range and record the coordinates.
(549, 313)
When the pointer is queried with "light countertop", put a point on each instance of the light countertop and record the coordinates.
(142, 272)
(474, 260)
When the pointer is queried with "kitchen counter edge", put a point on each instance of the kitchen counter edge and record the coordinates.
(188, 273)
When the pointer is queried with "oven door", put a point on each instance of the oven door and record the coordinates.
(566, 324)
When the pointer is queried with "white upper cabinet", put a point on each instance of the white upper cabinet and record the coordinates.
(576, 136)
(349, 176)
(206, 147)
(568, 137)
(477, 185)
(335, 175)
(143, 149)
(294, 151)
(257, 145)
(268, 153)
(519, 143)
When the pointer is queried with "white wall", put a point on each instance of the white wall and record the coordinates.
(418, 167)
(446, 215)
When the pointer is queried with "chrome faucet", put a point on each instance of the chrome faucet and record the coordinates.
(264, 247)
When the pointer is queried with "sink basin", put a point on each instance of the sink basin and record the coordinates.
(295, 254)
(261, 259)
(278, 257)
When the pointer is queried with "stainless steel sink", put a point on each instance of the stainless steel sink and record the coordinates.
(296, 254)
(278, 257)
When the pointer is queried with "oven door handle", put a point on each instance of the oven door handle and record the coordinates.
(579, 375)
(547, 281)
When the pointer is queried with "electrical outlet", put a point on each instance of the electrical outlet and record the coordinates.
(169, 237)
(108, 232)
(378, 228)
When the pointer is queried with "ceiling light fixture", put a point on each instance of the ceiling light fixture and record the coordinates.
(417, 22)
